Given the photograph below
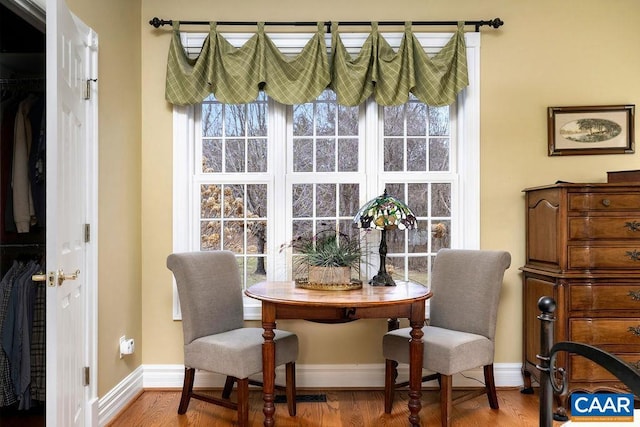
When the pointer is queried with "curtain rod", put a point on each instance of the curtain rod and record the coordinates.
(495, 23)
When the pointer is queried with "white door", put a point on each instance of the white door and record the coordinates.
(70, 138)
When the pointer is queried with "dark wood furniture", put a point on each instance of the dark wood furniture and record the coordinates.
(283, 300)
(552, 380)
(583, 250)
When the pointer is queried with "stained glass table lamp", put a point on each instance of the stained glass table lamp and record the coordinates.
(384, 213)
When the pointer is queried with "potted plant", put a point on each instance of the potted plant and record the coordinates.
(326, 259)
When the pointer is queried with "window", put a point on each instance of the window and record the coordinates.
(231, 184)
(248, 178)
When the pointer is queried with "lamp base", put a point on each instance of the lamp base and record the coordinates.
(382, 279)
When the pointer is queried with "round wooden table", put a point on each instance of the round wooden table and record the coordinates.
(283, 300)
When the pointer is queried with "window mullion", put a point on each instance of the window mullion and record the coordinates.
(373, 150)
(372, 161)
(279, 209)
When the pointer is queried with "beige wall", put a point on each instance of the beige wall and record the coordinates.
(549, 53)
(117, 23)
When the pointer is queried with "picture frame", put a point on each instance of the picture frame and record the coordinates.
(605, 129)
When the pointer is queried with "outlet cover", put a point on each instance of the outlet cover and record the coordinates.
(122, 339)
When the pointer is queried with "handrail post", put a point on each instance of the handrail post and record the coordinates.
(547, 306)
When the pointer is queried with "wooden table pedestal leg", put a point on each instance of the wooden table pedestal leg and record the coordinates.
(268, 363)
(416, 347)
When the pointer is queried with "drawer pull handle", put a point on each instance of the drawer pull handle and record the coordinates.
(635, 295)
(634, 255)
(635, 330)
(606, 202)
(633, 225)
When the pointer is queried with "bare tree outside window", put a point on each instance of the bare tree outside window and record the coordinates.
(233, 215)
(326, 146)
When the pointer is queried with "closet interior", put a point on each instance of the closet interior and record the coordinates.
(22, 219)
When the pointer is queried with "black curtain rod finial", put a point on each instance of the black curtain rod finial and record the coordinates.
(496, 23)
(157, 22)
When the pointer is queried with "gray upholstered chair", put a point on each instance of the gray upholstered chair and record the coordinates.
(460, 335)
(215, 338)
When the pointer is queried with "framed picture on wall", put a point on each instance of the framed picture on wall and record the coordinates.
(607, 129)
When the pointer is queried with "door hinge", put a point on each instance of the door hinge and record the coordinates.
(87, 94)
(86, 376)
(87, 233)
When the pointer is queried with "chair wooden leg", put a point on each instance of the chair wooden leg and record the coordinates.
(187, 389)
(390, 375)
(290, 373)
(243, 402)
(446, 398)
(228, 386)
(491, 386)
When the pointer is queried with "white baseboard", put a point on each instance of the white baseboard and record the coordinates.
(331, 376)
(307, 376)
(118, 397)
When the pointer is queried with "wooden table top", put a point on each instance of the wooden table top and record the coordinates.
(286, 292)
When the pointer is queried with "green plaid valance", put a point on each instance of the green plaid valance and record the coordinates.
(236, 75)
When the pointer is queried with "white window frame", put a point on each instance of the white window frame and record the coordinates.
(465, 157)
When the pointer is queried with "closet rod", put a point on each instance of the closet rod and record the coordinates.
(495, 23)
(26, 82)
(21, 79)
(22, 245)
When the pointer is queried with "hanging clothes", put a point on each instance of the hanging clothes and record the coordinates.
(38, 346)
(17, 318)
(7, 393)
(7, 127)
(22, 167)
(37, 160)
(16, 333)
(23, 210)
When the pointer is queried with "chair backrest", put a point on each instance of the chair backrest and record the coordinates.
(466, 290)
(210, 292)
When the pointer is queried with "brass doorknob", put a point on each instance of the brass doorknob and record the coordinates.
(62, 277)
(51, 277)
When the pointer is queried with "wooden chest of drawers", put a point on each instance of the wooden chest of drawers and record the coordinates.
(583, 249)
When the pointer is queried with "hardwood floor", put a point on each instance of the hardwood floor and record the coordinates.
(343, 408)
